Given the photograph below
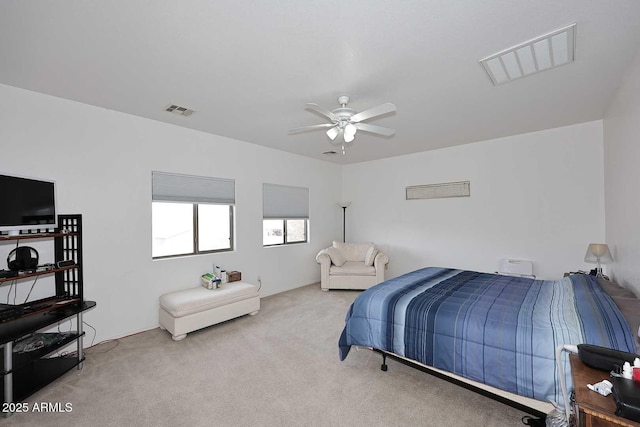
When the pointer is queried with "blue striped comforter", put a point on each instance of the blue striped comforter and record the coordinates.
(498, 330)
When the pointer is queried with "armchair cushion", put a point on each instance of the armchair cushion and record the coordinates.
(352, 268)
(336, 256)
(353, 251)
(370, 256)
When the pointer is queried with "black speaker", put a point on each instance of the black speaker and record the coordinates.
(23, 258)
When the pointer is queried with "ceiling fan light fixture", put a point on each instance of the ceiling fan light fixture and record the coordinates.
(333, 132)
(339, 139)
(348, 137)
(350, 130)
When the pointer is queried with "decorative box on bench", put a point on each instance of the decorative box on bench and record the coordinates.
(234, 276)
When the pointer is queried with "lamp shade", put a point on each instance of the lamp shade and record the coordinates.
(348, 137)
(598, 253)
(350, 129)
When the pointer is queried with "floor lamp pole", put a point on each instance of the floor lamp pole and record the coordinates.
(344, 206)
(344, 230)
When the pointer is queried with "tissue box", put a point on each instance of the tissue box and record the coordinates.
(234, 276)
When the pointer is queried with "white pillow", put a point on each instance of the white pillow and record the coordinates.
(370, 256)
(336, 256)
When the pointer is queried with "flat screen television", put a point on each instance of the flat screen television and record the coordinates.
(27, 204)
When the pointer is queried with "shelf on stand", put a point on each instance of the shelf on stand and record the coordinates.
(41, 373)
(37, 273)
(25, 372)
(31, 236)
(26, 324)
(21, 360)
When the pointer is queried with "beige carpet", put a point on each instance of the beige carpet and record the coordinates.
(278, 368)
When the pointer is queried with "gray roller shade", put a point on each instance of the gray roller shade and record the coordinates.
(283, 201)
(170, 187)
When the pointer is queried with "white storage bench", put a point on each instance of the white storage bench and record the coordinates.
(191, 309)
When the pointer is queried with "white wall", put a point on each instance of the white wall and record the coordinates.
(622, 176)
(102, 162)
(537, 196)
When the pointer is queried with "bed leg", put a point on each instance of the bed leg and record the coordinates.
(383, 367)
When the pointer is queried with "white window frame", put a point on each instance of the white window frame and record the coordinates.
(284, 203)
(195, 191)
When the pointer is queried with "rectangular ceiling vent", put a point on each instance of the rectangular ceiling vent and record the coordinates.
(179, 111)
(540, 54)
(438, 191)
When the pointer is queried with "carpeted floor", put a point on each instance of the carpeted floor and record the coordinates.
(278, 368)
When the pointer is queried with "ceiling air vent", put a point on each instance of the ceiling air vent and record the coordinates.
(329, 153)
(542, 53)
(179, 111)
(437, 191)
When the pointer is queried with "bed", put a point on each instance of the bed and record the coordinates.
(501, 331)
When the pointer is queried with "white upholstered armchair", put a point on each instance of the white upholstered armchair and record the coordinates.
(351, 266)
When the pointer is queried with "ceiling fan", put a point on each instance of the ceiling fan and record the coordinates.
(346, 121)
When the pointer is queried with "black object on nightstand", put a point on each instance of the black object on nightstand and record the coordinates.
(593, 409)
(626, 394)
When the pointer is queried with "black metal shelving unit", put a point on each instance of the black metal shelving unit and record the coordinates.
(24, 373)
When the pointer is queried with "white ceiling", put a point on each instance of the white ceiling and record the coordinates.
(248, 67)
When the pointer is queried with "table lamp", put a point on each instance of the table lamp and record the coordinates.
(598, 253)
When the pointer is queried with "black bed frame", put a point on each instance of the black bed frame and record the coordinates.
(517, 405)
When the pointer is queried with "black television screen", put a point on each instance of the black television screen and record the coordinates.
(26, 203)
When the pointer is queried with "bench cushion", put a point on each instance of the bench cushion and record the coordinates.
(194, 300)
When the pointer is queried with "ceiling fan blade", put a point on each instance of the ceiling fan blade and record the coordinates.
(310, 128)
(321, 110)
(333, 132)
(373, 112)
(366, 127)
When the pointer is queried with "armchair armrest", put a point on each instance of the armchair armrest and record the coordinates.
(323, 257)
(325, 264)
(380, 260)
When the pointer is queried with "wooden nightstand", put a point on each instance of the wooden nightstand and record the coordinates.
(593, 409)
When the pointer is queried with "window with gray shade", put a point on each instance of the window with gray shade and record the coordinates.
(191, 214)
(285, 214)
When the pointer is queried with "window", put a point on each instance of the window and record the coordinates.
(285, 215)
(191, 215)
(283, 231)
